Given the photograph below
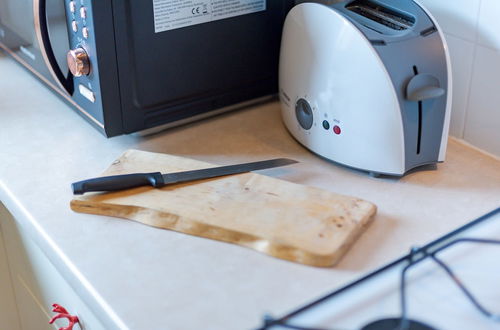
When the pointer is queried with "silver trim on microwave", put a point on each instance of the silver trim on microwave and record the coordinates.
(51, 85)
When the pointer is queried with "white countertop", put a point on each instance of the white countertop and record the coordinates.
(127, 272)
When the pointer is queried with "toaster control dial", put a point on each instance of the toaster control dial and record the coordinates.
(78, 62)
(304, 114)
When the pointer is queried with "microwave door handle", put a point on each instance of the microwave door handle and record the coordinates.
(43, 37)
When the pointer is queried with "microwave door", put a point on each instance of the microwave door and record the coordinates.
(17, 33)
(21, 36)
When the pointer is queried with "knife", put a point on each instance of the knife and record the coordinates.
(157, 179)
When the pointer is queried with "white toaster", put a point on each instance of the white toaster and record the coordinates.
(366, 83)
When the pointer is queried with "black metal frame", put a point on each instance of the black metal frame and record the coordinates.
(415, 256)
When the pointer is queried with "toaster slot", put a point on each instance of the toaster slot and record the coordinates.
(388, 17)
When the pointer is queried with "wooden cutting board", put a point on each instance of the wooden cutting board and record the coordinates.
(282, 219)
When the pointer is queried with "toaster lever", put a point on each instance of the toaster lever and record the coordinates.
(422, 87)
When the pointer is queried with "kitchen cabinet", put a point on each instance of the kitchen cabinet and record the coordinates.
(8, 311)
(32, 284)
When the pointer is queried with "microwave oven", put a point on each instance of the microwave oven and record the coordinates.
(133, 65)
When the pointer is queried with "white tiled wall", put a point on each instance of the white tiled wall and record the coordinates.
(472, 29)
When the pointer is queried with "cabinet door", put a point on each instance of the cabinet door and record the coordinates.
(8, 311)
(37, 284)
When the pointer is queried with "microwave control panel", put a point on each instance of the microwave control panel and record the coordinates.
(81, 57)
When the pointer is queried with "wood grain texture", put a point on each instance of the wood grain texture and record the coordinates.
(282, 219)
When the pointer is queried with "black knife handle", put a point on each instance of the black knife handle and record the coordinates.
(118, 182)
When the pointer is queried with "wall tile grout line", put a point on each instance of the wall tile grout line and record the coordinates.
(477, 42)
(474, 56)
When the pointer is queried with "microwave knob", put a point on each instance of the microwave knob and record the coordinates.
(78, 62)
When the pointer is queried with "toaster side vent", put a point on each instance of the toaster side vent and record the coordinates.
(389, 17)
(428, 31)
(378, 42)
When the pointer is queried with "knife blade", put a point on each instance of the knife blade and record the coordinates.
(158, 180)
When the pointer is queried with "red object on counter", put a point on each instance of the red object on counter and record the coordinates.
(63, 313)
